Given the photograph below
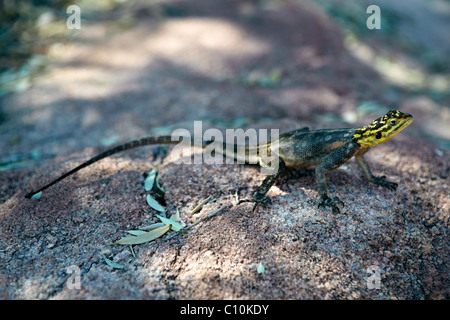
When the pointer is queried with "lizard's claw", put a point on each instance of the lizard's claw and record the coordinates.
(387, 184)
(332, 203)
(257, 199)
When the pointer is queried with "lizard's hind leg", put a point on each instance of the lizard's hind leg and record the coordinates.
(259, 196)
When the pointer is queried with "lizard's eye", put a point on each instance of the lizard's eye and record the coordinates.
(392, 122)
(378, 135)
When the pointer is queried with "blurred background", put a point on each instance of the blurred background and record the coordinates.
(147, 67)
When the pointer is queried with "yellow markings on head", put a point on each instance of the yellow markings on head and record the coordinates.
(382, 129)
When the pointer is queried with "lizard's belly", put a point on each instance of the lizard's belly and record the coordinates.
(302, 156)
(305, 162)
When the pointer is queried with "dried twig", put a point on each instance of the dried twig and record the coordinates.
(184, 230)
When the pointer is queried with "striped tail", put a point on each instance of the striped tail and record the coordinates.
(127, 146)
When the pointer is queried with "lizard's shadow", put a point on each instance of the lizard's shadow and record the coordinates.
(307, 177)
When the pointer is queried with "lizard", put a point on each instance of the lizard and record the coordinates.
(328, 149)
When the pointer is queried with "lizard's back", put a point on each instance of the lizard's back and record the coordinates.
(303, 148)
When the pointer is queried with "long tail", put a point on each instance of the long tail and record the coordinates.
(130, 145)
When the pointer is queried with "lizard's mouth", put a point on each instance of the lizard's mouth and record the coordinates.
(405, 124)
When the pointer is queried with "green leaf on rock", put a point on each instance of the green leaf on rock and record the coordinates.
(154, 204)
(175, 225)
(260, 268)
(150, 180)
(153, 226)
(145, 237)
(175, 216)
(36, 195)
(136, 232)
(113, 264)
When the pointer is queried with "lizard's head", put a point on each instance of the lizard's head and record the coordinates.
(382, 129)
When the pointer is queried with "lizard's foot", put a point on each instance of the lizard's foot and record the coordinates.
(331, 202)
(383, 182)
(258, 198)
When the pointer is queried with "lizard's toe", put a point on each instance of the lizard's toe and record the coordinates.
(258, 199)
(387, 184)
(332, 203)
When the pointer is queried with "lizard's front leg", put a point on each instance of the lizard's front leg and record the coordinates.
(378, 180)
(259, 196)
(325, 200)
(333, 161)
